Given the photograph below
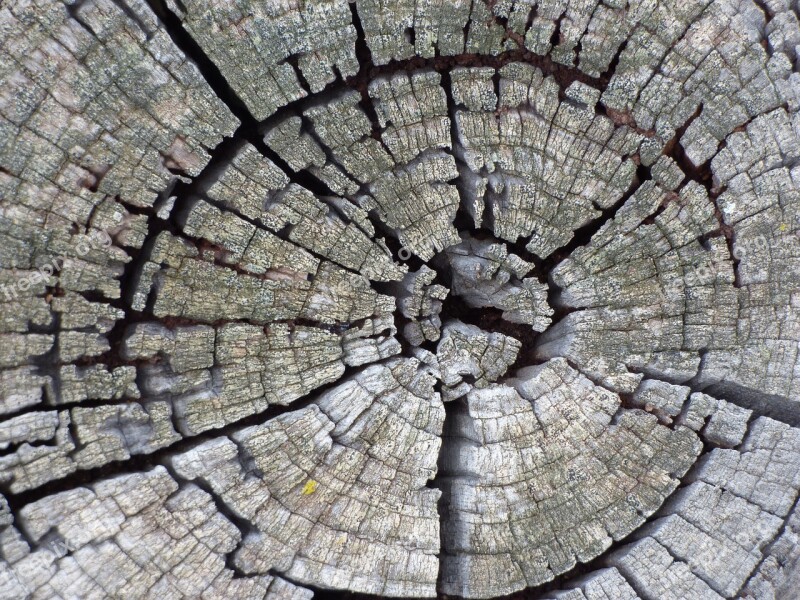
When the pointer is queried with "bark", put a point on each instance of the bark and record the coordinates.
(405, 299)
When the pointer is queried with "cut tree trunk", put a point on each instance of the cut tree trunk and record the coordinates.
(405, 298)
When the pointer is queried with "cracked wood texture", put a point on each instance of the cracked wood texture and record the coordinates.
(406, 298)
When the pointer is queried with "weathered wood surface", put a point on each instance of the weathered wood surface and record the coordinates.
(464, 298)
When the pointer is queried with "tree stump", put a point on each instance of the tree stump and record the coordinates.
(460, 298)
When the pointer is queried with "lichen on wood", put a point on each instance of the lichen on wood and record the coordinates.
(400, 299)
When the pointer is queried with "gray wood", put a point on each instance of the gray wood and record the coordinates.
(400, 298)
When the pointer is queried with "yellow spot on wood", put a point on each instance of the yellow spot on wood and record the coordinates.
(310, 487)
(784, 227)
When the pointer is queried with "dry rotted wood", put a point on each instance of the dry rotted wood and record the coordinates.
(406, 299)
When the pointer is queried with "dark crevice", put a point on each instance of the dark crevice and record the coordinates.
(321, 593)
(449, 468)
(563, 75)
(13, 447)
(668, 199)
(560, 309)
(555, 38)
(578, 49)
(694, 382)
(293, 60)
(728, 233)
(243, 525)
(501, 20)
(136, 463)
(579, 44)
(584, 234)
(612, 66)
(411, 35)
(47, 365)
(764, 7)
(391, 238)
(95, 176)
(464, 219)
(364, 58)
(532, 14)
(775, 407)
(675, 150)
(73, 10)
(194, 52)
(362, 50)
(468, 24)
(133, 16)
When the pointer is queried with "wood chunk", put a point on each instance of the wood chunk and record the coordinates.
(413, 111)
(252, 371)
(467, 356)
(274, 54)
(413, 198)
(337, 231)
(606, 584)
(112, 121)
(587, 469)
(485, 274)
(541, 167)
(718, 535)
(654, 573)
(750, 472)
(116, 432)
(662, 297)
(21, 388)
(88, 541)
(331, 492)
(449, 28)
(32, 465)
(776, 576)
(199, 290)
(371, 342)
(420, 301)
(760, 203)
(661, 398)
(721, 423)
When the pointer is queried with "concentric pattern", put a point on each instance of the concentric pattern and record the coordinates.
(400, 298)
